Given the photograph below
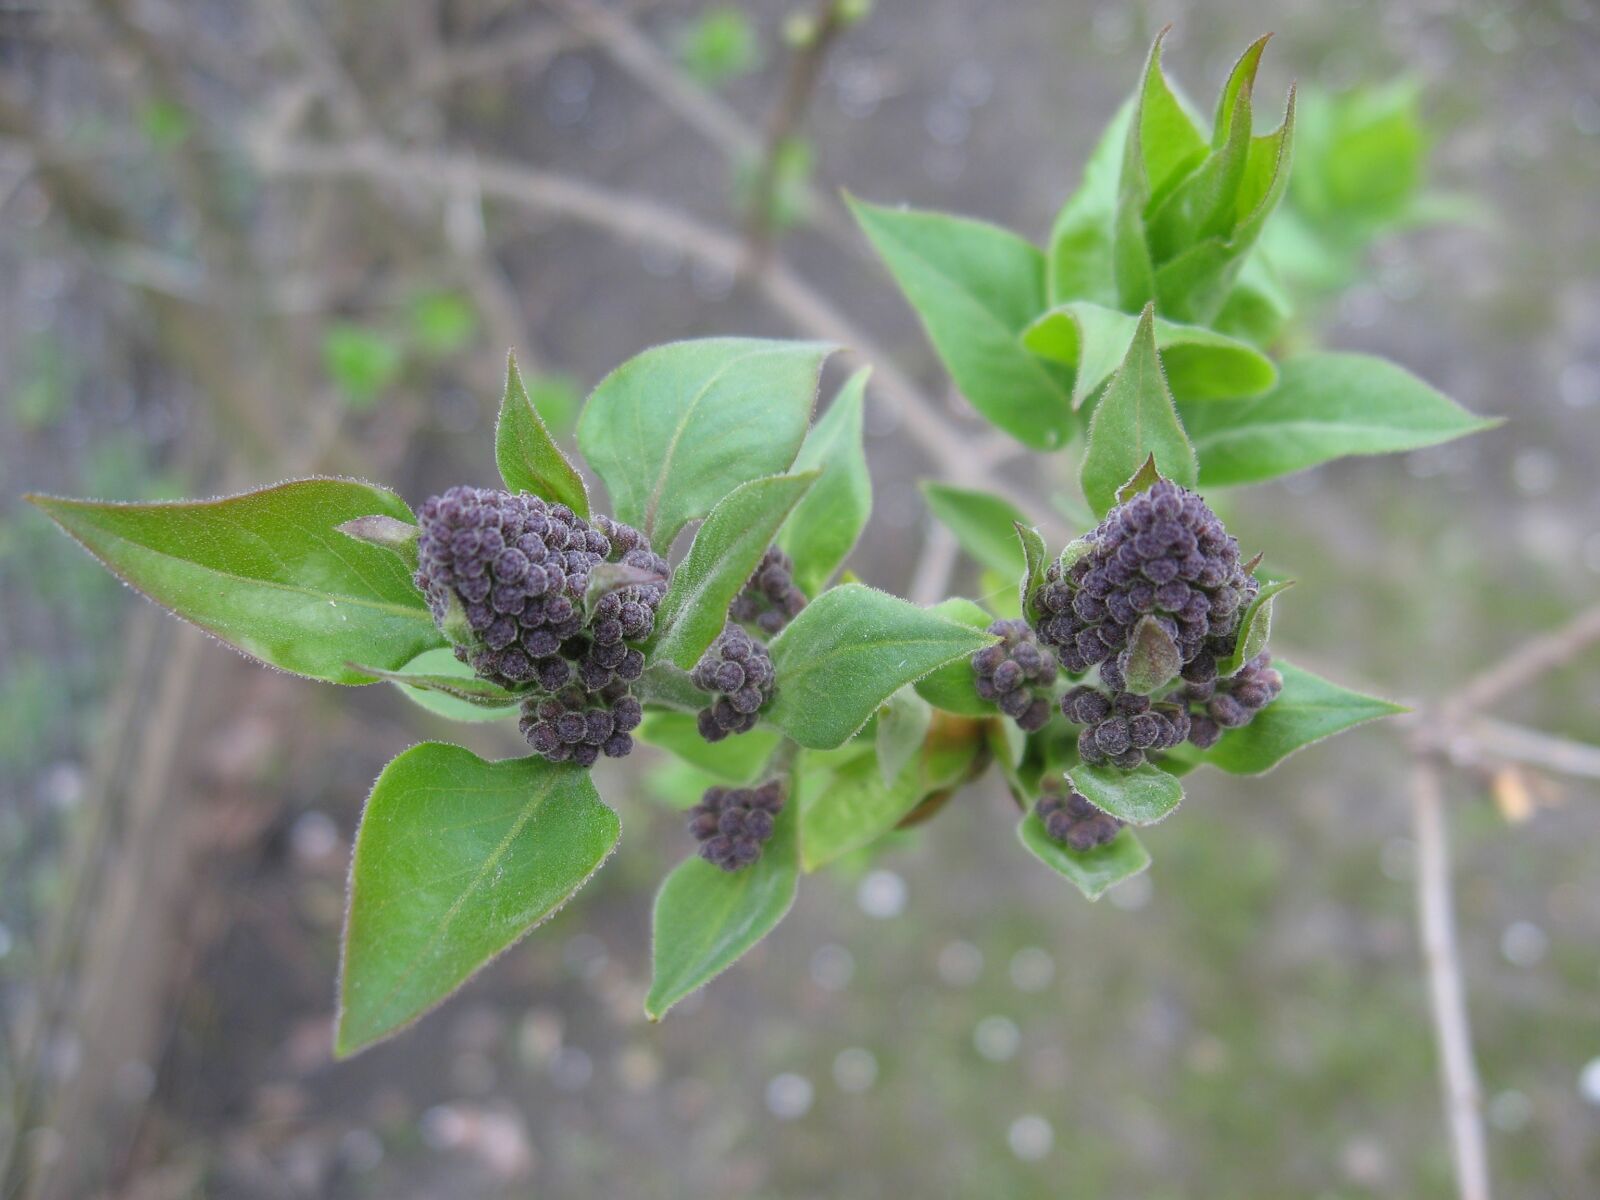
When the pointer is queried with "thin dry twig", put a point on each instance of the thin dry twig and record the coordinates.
(1463, 1098)
(1526, 663)
(647, 223)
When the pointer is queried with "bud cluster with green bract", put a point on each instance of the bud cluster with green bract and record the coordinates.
(813, 715)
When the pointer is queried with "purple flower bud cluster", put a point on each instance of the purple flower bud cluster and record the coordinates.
(579, 726)
(1161, 553)
(732, 824)
(1071, 820)
(1017, 673)
(1232, 703)
(737, 671)
(516, 569)
(771, 598)
(1121, 728)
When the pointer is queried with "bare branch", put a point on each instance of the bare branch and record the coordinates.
(647, 223)
(1463, 1098)
(1527, 662)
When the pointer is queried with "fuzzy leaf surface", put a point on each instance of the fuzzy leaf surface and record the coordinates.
(528, 457)
(707, 918)
(1325, 406)
(1308, 709)
(976, 287)
(1090, 871)
(268, 572)
(1142, 796)
(824, 526)
(455, 860)
(1134, 420)
(847, 652)
(726, 551)
(1200, 363)
(952, 688)
(675, 429)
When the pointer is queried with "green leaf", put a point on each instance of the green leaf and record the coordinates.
(363, 363)
(1307, 710)
(707, 918)
(952, 687)
(976, 287)
(847, 652)
(1203, 205)
(1194, 284)
(455, 860)
(1142, 480)
(851, 806)
(429, 679)
(902, 727)
(824, 526)
(1134, 420)
(1325, 406)
(984, 524)
(268, 572)
(1200, 364)
(1153, 657)
(458, 684)
(1142, 796)
(675, 429)
(736, 760)
(726, 551)
(528, 458)
(1254, 628)
(1090, 871)
(1034, 559)
(1163, 145)
(1080, 238)
(397, 537)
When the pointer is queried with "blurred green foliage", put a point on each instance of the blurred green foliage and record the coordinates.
(720, 44)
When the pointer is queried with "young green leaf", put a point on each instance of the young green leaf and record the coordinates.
(675, 429)
(707, 918)
(852, 806)
(736, 760)
(455, 860)
(847, 652)
(824, 526)
(1200, 364)
(1203, 205)
(268, 572)
(441, 666)
(1090, 871)
(1254, 628)
(1194, 284)
(1163, 145)
(1142, 480)
(1142, 796)
(1034, 559)
(1153, 657)
(1308, 710)
(976, 287)
(984, 524)
(528, 457)
(466, 688)
(902, 726)
(396, 536)
(1326, 405)
(726, 551)
(1134, 420)
(952, 688)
